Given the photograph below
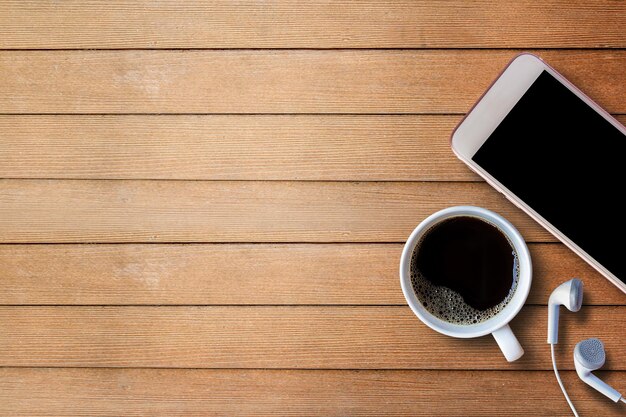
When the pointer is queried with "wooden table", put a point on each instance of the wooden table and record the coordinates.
(203, 206)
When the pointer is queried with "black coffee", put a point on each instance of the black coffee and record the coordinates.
(464, 270)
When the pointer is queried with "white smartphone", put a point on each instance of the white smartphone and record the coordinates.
(555, 154)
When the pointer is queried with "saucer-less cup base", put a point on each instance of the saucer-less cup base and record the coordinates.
(497, 325)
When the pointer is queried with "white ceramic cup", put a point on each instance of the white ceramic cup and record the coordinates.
(497, 325)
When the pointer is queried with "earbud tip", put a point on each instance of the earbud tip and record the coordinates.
(590, 353)
(576, 294)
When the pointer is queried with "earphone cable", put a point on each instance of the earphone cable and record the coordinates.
(558, 378)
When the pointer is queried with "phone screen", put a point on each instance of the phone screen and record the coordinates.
(566, 162)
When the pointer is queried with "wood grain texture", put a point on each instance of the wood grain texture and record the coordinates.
(154, 392)
(106, 146)
(48, 211)
(243, 274)
(284, 337)
(303, 147)
(337, 148)
(312, 81)
(312, 24)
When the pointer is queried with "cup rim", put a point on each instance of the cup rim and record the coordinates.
(510, 310)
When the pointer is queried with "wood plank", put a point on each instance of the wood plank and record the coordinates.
(296, 81)
(322, 274)
(140, 392)
(313, 24)
(284, 337)
(302, 147)
(48, 211)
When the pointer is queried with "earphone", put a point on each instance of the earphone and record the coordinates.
(589, 354)
(568, 294)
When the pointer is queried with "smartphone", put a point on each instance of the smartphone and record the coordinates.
(555, 154)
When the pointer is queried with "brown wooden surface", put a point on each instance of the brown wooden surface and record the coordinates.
(234, 211)
(283, 81)
(140, 392)
(261, 147)
(241, 147)
(313, 24)
(320, 337)
(243, 274)
(203, 204)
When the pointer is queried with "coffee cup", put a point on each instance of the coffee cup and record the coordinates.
(497, 321)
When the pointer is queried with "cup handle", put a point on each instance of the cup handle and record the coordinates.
(508, 343)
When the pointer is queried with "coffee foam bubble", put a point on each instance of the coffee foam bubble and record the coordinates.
(449, 305)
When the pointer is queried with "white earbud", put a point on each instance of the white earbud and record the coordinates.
(589, 356)
(569, 294)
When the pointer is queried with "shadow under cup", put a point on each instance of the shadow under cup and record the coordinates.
(497, 324)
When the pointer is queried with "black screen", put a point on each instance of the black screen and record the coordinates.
(566, 162)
